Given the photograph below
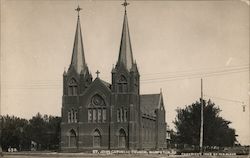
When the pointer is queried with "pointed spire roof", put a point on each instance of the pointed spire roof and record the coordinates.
(78, 59)
(125, 54)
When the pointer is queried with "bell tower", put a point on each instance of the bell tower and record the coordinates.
(78, 77)
(125, 96)
(125, 75)
(75, 81)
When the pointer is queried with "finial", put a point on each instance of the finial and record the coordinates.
(64, 72)
(78, 9)
(125, 4)
(97, 73)
(161, 90)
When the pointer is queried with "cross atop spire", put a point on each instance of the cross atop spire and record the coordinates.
(125, 4)
(97, 73)
(78, 9)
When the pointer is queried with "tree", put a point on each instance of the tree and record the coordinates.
(216, 129)
(18, 133)
(37, 130)
(13, 132)
(53, 131)
(45, 130)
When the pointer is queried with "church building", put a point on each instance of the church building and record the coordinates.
(97, 115)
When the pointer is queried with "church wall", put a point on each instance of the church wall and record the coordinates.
(131, 126)
(65, 128)
(83, 127)
(161, 129)
(114, 134)
(70, 100)
(120, 102)
(121, 125)
(152, 131)
(69, 103)
(148, 133)
(86, 131)
(87, 127)
(134, 127)
(85, 101)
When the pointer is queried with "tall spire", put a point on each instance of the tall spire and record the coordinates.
(125, 54)
(78, 59)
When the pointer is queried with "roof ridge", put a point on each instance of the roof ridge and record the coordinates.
(105, 81)
(150, 94)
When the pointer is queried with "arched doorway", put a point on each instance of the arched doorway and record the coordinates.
(72, 138)
(96, 138)
(122, 139)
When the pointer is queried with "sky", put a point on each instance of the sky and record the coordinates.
(174, 43)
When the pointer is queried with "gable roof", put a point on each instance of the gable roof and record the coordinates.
(99, 82)
(108, 85)
(149, 103)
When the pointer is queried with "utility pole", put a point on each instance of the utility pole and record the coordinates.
(201, 130)
(1, 132)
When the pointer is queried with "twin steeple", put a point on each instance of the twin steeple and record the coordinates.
(78, 58)
(125, 53)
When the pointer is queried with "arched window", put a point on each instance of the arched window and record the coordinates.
(99, 114)
(97, 100)
(72, 138)
(97, 109)
(122, 115)
(118, 115)
(90, 115)
(122, 139)
(96, 138)
(104, 116)
(125, 115)
(69, 116)
(94, 115)
(76, 117)
(72, 116)
(72, 89)
(122, 84)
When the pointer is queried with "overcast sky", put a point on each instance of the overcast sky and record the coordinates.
(175, 43)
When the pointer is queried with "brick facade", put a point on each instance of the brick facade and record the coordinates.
(99, 115)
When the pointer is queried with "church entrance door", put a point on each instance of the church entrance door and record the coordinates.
(96, 139)
(122, 139)
(72, 139)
